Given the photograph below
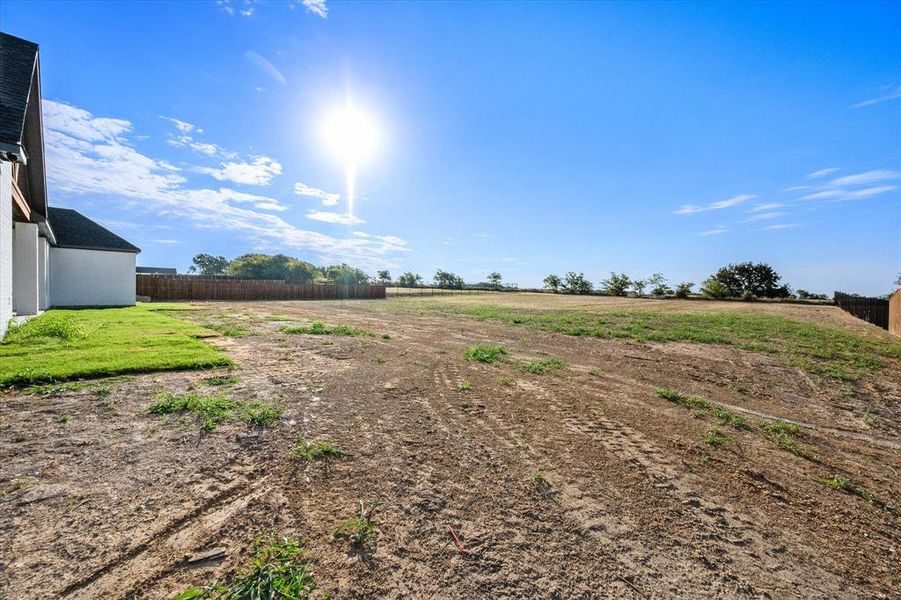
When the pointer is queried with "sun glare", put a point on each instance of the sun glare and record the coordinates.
(351, 135)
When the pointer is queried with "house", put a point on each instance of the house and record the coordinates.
(48, 256)
(157, 271)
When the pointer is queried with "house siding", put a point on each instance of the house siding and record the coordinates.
(91, 277)
(6, 245)
(25, 269)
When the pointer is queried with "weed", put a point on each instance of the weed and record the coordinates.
(729, 418)
(542, 366)
(485, 353)
(102, 391)
(278, 570)
(261, 414)
(464, 385)
(386, 336)
(782, 433)
(379, 359)
(506, 381)
(48, 326)
(213, 410)
(540, 482)
(837, 482)
(595, 372)
(305, 451)
(694, 402)
(64, 418)
(221, 380)
(227, 329)
(715, 437)
(320, 328)
(359, 530)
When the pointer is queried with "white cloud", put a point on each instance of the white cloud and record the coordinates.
(182, 126)
(892, 95)
(782, 226)
(166, 242)
(717, 231)
(690, 209)
(866, 178)
(767, 206)
(233, 7)
(821, 173)
(327, 198)
(184, 140)
(259, 172)
(88, 155)
(764, 216)
(841, 194)
(334, 217)
(317, 7)
(797, 188)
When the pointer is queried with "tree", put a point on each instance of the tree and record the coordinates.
(574, 283)
(684, 289)
(494, 278)
(713, 288)
(409, 279)
(383, 277)
(658, 285)
(445, 279)
(638, 285)
(274, 266)
(758, 278)
(552, 282)
(616, 284)
(207, 264)
(344, 274)
(898, 280)
(805, 295)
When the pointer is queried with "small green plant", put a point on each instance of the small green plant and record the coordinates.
(540, 482)
(386, 336)
(320, 328)
(485, 353)
(464, 385)
(227, 329)
(212, 410)
(359, 530)
(261, 414)
(693, 402)
(595, 372)
(64, 418)
(216, 380)
(48, 326)
(716, 438)
(304, 451)
(380, 359)
(783, 432)
(729, 418)
(837, 482)
(506, 381)
(278, 571)
(542, 366)
(102, 391)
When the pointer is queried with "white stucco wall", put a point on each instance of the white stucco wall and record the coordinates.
(6, 245)
(43, 273)
(25, 269)
(91, 277)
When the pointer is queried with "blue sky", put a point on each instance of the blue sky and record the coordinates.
(523, 138)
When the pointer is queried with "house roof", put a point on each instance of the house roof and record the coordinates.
(74, 230)
(17, 65)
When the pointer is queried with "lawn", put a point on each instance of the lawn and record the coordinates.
(822, 349)
(70, 344)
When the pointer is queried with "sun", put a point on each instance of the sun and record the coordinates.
(351, 135)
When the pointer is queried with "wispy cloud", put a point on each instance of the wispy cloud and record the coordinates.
(869, 177)
(821, 173)
(780, 226)
(690, 209)
(166, 242)
(184, 139)
(763, 216)
(766, 206)
(264, 65)
(317, 7)
(237, 7)
(327, 198)
(843, 194)
(95, 156)
(716, 231)
(892, 95)
(258, 172)
(334, 217)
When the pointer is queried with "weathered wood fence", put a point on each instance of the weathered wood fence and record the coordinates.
(189, 287)
(872, 310)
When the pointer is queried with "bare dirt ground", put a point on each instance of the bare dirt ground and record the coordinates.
(114, 502)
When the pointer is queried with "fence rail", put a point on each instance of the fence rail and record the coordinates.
(188, 287)
(871, 310)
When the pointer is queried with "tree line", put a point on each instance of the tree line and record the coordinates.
(276, 266)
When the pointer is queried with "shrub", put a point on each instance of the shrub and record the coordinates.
(748, 296)
(540, 367)
(758, 278)
(714, 289)
(684, 289)
(658, 285)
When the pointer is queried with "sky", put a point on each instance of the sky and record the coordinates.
(524, 138)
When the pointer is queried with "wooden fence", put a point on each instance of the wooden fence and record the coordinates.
(189, 287)
(872, 310)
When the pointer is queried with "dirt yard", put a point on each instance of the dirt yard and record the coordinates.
(576, 483)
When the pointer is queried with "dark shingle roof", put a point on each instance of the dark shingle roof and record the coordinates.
(17, 58)
(74, 230)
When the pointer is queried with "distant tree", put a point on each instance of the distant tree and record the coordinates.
(713, 288)
(616, 284)
(552, 282)
(658, 285)
(805, 295)
(758, 278)
(207, 264)
(574, 283)
(684, 289)
(446, 279)
(898, 280)
(409, 279)
(383, 277)
(638, 285)
(494, 278)
(273, 266)
(344, 274)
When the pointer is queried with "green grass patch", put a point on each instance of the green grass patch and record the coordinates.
(715, 437)
(358, 531)
(726, 417)
(305, 451)
(485, 353)
(783, 432)
(685, 400)
(211, 411)
(827, 350)
(542, 366)
(92, 343)
(464, 385)
(320, 328)
(64, 418)
(228, 329)
(277, 571)
(217, 380)
(506, 381)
